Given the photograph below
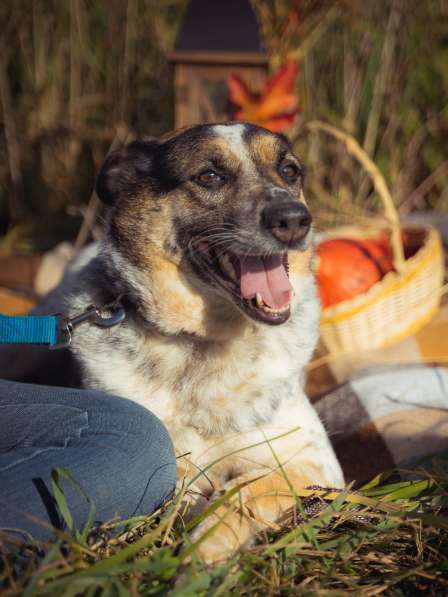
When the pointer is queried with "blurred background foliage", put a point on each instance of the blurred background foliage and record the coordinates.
(77, 76)
(379, 70)
(74, 74)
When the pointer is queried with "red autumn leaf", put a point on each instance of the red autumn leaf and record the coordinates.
(277, 124)
(239, 92)
(275, 108)
(282, 82)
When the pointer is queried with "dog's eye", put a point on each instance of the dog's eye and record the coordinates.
(209, 178)
(289, 171)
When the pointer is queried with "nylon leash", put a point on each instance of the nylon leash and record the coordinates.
(55, 331)
(29, 329)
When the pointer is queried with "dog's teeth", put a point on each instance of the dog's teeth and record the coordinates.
(277, 311)
(261, 305)
(259, 300)
(227, 266)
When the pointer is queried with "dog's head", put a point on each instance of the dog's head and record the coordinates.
(212, 215)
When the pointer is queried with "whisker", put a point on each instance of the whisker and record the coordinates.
(220, 242)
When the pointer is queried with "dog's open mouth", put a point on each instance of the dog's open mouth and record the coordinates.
(260, 284)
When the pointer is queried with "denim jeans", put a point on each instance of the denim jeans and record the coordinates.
(118, 451)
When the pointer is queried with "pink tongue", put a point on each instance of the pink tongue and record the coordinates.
(268, 277)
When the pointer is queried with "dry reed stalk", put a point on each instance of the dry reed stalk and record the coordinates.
(405, 177)
(312, 38)
(354, 149)
(16, 197)
(40, 47)
(128, 57)
(75, 86)
(353, 80)
(121, 138)
(415, 198)
(381, 79)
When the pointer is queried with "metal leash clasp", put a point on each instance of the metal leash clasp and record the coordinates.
(93, 315)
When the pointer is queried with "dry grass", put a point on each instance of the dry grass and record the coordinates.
(389, 538)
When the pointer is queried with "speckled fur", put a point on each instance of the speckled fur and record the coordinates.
(219, 380)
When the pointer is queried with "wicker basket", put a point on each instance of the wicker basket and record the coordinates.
(397, 306)
(405, 299)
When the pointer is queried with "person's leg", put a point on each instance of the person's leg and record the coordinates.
(118, 451)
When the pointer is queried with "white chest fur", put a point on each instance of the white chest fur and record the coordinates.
(213, 387)
(218, 397)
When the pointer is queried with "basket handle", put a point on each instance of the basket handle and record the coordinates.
(355, 150)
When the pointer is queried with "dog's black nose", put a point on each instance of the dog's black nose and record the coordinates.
(288, 222)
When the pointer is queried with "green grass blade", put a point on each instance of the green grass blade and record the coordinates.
(238, 451)
(62, 473)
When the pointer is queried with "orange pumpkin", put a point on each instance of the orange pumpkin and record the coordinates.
(348, 267)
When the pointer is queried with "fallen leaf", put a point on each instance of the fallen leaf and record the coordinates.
(275, 108)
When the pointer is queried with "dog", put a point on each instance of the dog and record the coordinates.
(209, 250)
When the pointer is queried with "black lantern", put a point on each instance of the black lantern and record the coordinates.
(217, 38)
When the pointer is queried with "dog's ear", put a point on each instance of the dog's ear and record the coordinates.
(126, 169)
